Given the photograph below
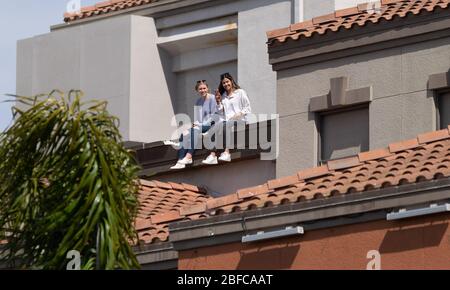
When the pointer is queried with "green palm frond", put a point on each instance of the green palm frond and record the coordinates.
(66, 183)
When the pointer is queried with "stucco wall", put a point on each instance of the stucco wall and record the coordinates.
(401, 107)
(314, 8)
(419, 243)
(146, 68)
(255, 73)
(115, 59)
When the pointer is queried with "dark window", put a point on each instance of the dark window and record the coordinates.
(344, 133)
(444, 110)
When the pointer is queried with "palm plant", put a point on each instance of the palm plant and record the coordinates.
(66, 183)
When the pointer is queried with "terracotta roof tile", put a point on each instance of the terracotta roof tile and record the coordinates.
(423, 158)
(222, 201)
(313, 172)
(193, 188)
(282, 182)
(403, 145)
(374, 154)
(193, 209)
(402, 163)
(433, 136)
(104, 8)
(343, 163)
(355, 16)
(162, 203)
(170, 216)
(253, 191)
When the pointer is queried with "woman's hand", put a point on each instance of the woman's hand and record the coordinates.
(238, 116)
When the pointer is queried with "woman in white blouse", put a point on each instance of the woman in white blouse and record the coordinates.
(234, 105)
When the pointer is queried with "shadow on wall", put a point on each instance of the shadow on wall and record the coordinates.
(279, 258)
(413, 238)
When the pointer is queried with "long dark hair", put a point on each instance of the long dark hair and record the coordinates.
(233, 83)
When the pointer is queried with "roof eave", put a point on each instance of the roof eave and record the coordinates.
(377, 203)
(360, 39)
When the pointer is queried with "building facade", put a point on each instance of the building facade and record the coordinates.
(363, 98)
(355, 81)
(373, 189)
(145, 57)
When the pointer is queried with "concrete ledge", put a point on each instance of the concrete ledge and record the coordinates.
(439, 81)
(156, 158)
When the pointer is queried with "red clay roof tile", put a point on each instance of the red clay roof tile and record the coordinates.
(343, 163)
(349, 17)
(170, 216)
(404, 162)
(410, 163)
(403, 145)
(222, 201)
(163, 185)
(104, 8)
(433, 136)
(282, 182)
(193, 209)
(160, 203)
(374, 154)
(313, 172)
(253, 191)
(346, 12)
(193, 188)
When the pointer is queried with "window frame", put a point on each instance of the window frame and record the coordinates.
(437, 104)
(319, 126)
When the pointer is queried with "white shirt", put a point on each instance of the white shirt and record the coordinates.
(236, 104)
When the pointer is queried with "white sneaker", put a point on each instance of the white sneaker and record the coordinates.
(172, 143)
(210, 160)
(226, 157)
(185, 161)
(178, 166)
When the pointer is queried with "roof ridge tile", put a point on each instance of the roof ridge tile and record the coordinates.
(361, 15)
(403, 145)
(433, 136)
(253, 191)
(343, 163)
(283, 182)
(346, 12)
(193, 209)
(170, 216)
(222, 201)
(374, 154)
(313, 172)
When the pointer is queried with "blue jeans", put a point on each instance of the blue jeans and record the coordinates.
(194, 134)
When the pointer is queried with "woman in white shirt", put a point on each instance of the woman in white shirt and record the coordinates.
(234, 105)
(204, 114)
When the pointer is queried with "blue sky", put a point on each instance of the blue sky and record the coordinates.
(21, 19)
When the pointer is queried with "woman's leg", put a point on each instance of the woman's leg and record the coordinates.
(214, 132)
(191, 150)
(195, 137)
(226, 156)
(182, 152)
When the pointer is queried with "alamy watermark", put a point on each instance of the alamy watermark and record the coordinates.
(256, 132)
(370, 6)
(374, 257)
(73, 6)
(75, 260)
